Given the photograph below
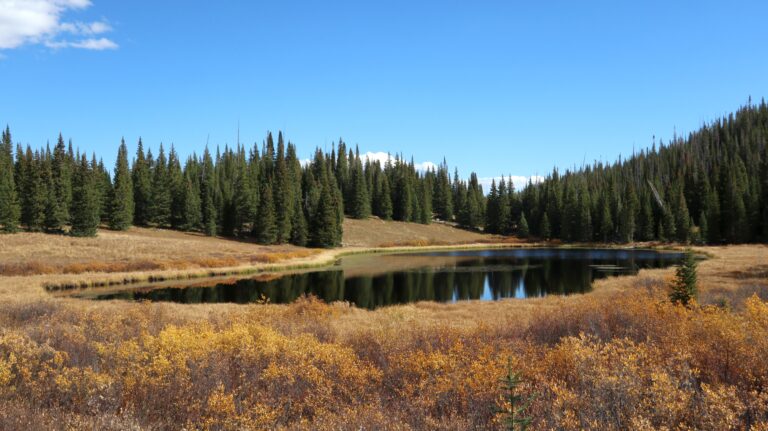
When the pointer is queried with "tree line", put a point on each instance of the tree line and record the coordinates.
(266, 194)
(710, 187)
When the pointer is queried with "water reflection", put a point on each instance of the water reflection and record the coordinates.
(375, 281)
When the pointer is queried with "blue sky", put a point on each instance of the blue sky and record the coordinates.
(495, 87)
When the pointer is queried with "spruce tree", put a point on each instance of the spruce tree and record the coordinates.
(10, 210)
(265, 225)
(360, 207)
(514, 404)
(469, 211)
(243, 199)
(492, 211)
(585, 217)
(684, 287)
(504, 210)
(161, 203)
(298, 225)
(324, 229)
(338, 207)
(402, 205)
(522, 227)
(191, 216)
(442, 194)
(177, 185)
(85, 201)
(646, 227)
(385, 199)
(207, 190)
(104, 187)
(606, 221)
(35, 191)
(682, 218)
(282, 194)
(60, 189)
(121, 214)
(546, 229)
(425, 198)
(142, 187)
(703, 228)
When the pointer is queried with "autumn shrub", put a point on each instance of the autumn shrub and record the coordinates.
(629, 360)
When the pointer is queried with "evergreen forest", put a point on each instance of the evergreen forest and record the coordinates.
(709, 187)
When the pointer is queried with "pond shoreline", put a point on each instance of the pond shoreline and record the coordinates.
(326, 258)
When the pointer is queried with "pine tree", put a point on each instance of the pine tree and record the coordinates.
(469, 211)
(425, 198)
(161, 203)
(324, 229)
(10, 210)
(504, 210)
(360, 207)
(60, 189)
(522, 227)
(35, 194)
(684, 289)
(85, 201)
(668, 228)
(703, 228)
(492, 212)
(647, 225)
(104, 187)
(121, 215)
(682, 218)
(207, 190)
(142, 187)
(546, 229)
(764, 194)
(442, 194)
(585, 217)
(266, 224)
(245, 210)
(177, 185)
(298, 225)
(385, 199)
(191, 217)
(514, 405)
(606, 221)
(282, 194)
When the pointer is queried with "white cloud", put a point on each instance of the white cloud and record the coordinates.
(519, 181)
(92, 44)
(86, 28)
(25, 22)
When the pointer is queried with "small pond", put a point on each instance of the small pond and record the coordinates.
(378, 280)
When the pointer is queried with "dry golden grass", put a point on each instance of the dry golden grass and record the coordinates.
(375, 232)
(138, 249)
(620, 357)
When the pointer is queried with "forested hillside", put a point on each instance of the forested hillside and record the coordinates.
(711, 187)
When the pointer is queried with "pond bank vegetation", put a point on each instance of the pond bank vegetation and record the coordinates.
(620, 357)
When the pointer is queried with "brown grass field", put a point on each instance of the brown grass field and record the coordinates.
(620, 357)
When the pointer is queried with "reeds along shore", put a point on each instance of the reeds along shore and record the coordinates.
(621, 357)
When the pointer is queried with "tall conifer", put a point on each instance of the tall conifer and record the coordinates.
(85, 201)
(121, 215)
(142, 187)
(10, 210)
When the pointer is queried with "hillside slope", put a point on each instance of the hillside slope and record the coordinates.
(375, 232)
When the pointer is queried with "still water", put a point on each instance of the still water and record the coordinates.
(372, 281)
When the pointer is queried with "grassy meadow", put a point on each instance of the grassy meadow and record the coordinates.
(620, 357)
